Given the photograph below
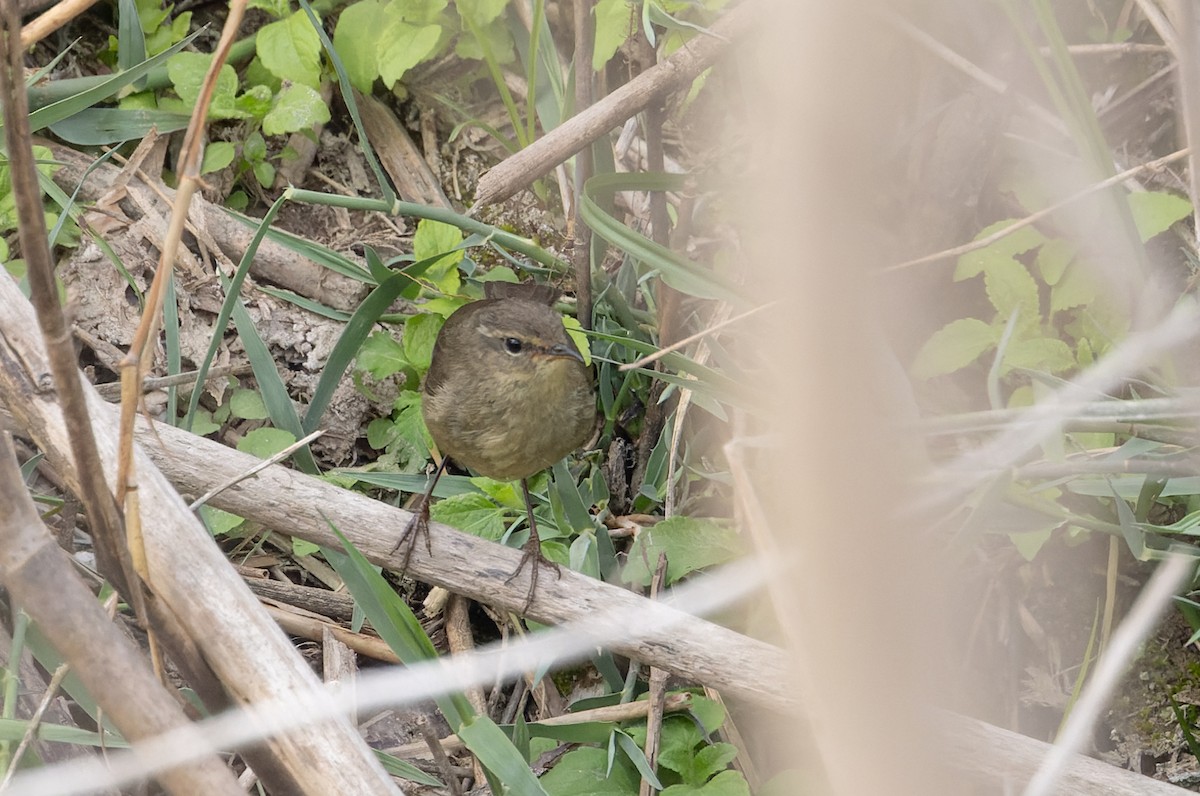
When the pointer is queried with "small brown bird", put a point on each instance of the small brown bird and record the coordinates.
(507, 395)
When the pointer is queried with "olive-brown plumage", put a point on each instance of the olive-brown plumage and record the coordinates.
(507, 395)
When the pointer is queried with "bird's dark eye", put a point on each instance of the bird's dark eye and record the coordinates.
(512, 345)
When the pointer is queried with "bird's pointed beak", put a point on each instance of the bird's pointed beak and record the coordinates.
(565, 350)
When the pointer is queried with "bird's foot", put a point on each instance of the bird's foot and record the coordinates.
(532, 555)
(417, 526)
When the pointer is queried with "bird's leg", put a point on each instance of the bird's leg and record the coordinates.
(533, 552)
(419, 524)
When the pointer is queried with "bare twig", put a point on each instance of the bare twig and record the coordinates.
(94, 491)
(40, 577)
(517, 171)
(1033, 218)
(700, 335)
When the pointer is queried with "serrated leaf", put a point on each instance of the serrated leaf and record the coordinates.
(579, 337)
(1155, 211)
(1076, 288)
(1011, 288)
(420, 333)
(472, 513)
(954, 346)
(381, 355)
(974, 263)
(1047, 354)
(711, 760)
(690, 544)
(186, 71)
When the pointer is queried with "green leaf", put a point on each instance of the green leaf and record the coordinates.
(677, 747)
(203, 425)
(301, 547)
(14, 730)
(97, 126)
(584, 772)
(954, 346)
(1053, 258)
(480, 12)
(187, 70)
(1030, 543)
(219, 522)
(1023, 240)
(689, 543)
(1076, 288)
(381, 355)
(499, 756)
(217, 155)
(1042, 353)
(580, 338)
(392, 619)
(727, 783)
(406, 426)
(297, 107)
(291, 50)
(1155, 211)
(265, 442)
(404, 45)
(612, 29)
(679, 272)
(472, 513)
(356, 39)
(1011, 289)
(420, 333)
(248, 405)
(712, 760)
(434, 239)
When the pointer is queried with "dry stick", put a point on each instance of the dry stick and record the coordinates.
(1033, 218)
(35, 722)
(581, 233)
(93, 491)
(42, 580)
(535, 160)
(628, 711)
(137, 362)
(700, 335)
(658, 690)
(965, 66)
(434, 744)
(1189, 92)
(54, 18)
(1161, 25)
(226, 628)
(278, 457)
(284, 499)
(273, 262)
(314, 629)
